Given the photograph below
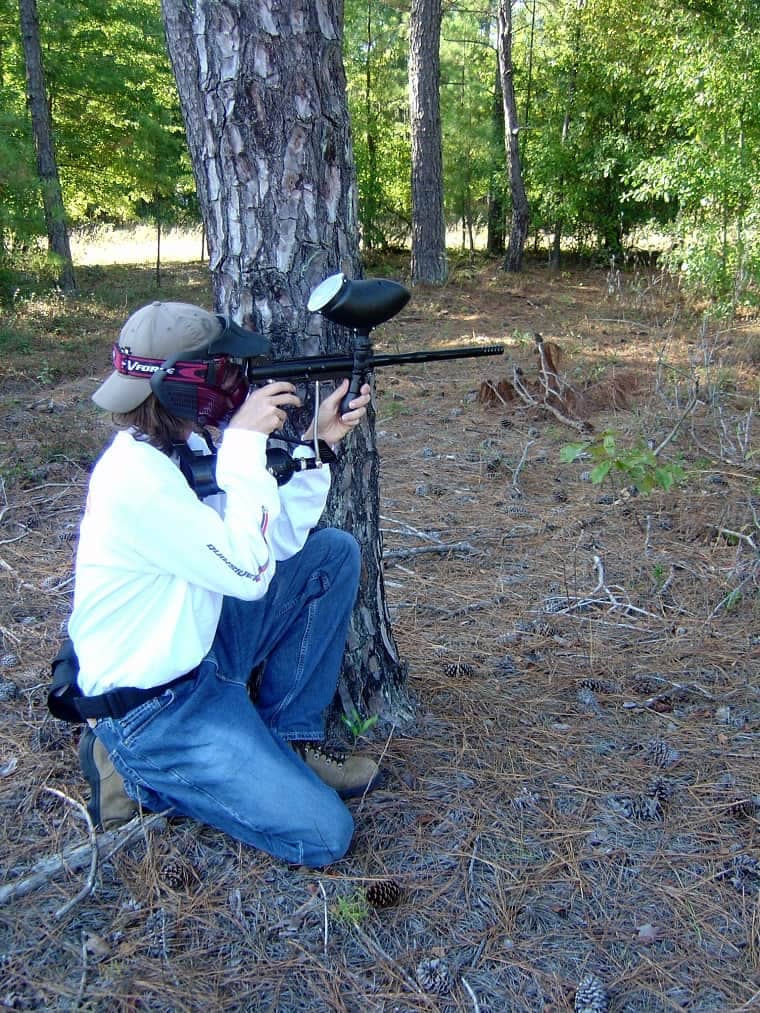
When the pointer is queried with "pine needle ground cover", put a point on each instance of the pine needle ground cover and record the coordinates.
(572, 809)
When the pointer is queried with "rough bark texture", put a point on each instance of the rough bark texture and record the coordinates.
(520, 212)
(262, 88)
(42, 128)
(429, 262)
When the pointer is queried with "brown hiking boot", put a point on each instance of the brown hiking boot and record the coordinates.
(109, 804)
(346, 773)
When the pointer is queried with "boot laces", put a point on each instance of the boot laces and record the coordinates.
(336, 756)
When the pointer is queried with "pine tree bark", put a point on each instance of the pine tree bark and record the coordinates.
(42, 129)
(520, 211)
(263, 95)
(429, 261)
(496, 215)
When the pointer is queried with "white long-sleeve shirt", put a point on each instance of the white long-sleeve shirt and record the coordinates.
(154, 562)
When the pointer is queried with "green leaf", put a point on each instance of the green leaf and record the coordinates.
(600, 472)
(609, 444)
(571, 452)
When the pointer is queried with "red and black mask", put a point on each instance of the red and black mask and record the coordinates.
(208, 385)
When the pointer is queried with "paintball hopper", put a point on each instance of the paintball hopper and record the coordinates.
(360, 305)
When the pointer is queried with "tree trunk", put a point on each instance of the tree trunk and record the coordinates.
(263, 95)
(429, 263)
(370, 202)
(555, 256)
(47, 168)
(520, 211)
(496, 215)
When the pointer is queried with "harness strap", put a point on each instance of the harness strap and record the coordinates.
(66, 701)
(118, 702)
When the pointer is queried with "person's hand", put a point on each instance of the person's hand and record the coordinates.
(331, 425)
(263, 409)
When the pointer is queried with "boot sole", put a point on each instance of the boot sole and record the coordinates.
(377, 782)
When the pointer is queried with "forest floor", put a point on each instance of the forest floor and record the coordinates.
(572, 810)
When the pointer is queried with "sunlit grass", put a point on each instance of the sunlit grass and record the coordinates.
(136, 244)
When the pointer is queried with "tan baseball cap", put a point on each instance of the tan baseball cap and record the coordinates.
(157, 331)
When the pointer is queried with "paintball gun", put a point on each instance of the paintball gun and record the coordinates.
(359, 305)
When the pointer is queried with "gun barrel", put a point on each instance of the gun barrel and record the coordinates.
(435, 355)
(335, 367)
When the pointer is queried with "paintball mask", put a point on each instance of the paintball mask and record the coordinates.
(207, 384)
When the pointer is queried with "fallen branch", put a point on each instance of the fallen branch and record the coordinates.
(444, 548)
(89, 885)
(75, 857)
(732, 595)
(530, 401)
(465, 609)
(684, 415)
(520, 466)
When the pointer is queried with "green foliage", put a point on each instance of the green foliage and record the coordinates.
(351, 910)
(356, 724)
(470, 144)
(637, 466)
(375, 54)
(119, 137)
(632, 116)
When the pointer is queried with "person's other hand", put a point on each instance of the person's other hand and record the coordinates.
(331, 425)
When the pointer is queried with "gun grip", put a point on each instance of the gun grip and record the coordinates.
(354, 389)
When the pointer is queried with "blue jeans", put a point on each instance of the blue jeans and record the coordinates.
(203, 749)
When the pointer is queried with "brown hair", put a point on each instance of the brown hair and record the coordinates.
(154, 424)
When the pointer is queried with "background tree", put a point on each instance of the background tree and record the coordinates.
(640, 124)
(42, 128)
(375, 56)
(520, 211)
(429, 261)
(264, 100)
(119, 137)
(468, 62)
(704, 174)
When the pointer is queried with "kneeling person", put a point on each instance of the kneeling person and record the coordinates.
(179, 599)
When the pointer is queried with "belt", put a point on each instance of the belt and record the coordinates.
(118, 702)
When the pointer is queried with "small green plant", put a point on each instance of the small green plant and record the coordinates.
(637, 466)
(733, 599)
(45, 374)
(658, 572)
(356, 724)
(351, 910)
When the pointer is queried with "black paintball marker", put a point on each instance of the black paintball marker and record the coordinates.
(361, 306)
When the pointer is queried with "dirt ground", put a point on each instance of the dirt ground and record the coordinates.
(572, 810)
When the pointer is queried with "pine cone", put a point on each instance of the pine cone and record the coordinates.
(660, 788)
(591, 996)
(661, 754)
(598, 685)
(745, 808)
(646, 685)
(459, 668)
(647, 808)
(384, 894)
(8, 690)
(433, 975)
(175, 874)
